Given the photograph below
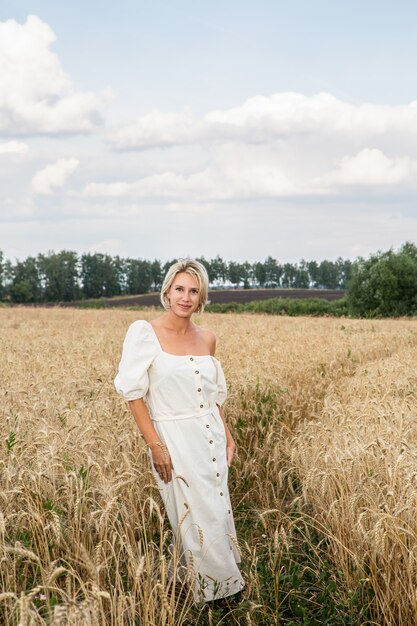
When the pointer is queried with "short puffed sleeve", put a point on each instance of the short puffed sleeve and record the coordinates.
(221, 383)
(139, 350)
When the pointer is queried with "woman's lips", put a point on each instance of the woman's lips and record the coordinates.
(185, 306)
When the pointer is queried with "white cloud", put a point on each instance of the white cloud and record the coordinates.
(13, 147)
(290, 112)
(281, 146)
(213, 183)
(155, 129)
(107, 246)
(262, 119)
(36, 95)
(166, 185)
(372, 167)
(243, 174)
(53, 175)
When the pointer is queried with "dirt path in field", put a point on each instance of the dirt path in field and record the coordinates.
(225, 296)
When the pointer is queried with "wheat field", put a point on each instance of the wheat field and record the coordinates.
(324, 486)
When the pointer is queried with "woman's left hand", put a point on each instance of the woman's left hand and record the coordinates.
(230, 450)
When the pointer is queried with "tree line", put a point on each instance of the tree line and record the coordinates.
(66, 276)
(385, 284)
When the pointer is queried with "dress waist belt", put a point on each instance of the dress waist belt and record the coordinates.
(164, 417)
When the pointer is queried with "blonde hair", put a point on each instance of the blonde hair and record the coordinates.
(197, 271)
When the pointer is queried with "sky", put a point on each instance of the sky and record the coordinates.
(169, 128)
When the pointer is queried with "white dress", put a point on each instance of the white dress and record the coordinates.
(181, 393)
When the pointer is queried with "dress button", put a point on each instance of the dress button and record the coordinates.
(197, 372)
(214, 459)
(201, 406)
(229, 511)
(211, 441)
(207, 425)
(199, 389)
(191, 358)
(217, 474)
(221, 493)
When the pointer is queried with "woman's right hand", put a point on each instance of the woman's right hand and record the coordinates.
(161, 461)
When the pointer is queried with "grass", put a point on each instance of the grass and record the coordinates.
(286, 306)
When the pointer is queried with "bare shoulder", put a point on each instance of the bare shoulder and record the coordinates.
(209, 338)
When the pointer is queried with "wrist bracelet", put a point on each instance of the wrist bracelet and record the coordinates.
(160, 445)
(156, 443)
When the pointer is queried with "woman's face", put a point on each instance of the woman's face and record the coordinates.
(184, 294)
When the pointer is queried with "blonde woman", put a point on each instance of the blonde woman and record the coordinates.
(175, 388)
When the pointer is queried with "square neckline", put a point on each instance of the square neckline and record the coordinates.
(181, 356)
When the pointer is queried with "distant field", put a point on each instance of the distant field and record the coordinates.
(225, 296)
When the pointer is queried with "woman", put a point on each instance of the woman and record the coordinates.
(175, 388)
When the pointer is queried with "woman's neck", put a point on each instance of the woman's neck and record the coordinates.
(180, 325)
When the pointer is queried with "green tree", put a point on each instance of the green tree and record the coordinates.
(120, 269)
(157, 276)
(344, 272)
(99, 276)
(314, 273)
(25, 281)
(385, 284)
(274, 272)
(289, 275)
(58, 274)
(247, 274)
(259, 272)
(219, 270)
(236, 273)
(8, 273)
(328, 277)
(139, 276)
(302, 277)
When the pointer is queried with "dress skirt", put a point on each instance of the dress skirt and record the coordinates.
(198, 504)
